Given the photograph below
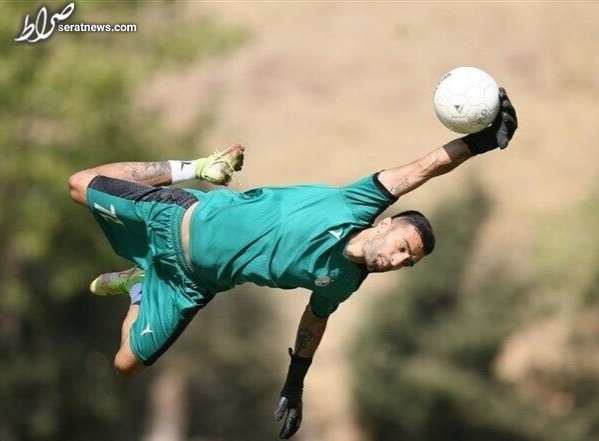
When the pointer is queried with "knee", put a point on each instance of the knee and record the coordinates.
(78, 185)
(127, 367)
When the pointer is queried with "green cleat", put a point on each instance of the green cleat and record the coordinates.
(218, 168)
(117, 283)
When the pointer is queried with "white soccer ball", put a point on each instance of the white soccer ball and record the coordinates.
(466, 100)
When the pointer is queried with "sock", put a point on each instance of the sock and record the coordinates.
(182, 170)
(135, 293)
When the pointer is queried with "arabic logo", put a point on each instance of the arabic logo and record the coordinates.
(40, 30)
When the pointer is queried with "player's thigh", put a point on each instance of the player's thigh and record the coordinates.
(123, 219)
(167, 306)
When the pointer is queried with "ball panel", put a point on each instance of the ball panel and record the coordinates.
(466, 100)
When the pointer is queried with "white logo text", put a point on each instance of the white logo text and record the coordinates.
(40, 30)
(109, 215)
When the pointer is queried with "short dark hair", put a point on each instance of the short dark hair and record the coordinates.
(422, 225)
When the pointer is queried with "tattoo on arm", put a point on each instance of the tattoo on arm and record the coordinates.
(150, 170)
(396, 190)
(303, 338)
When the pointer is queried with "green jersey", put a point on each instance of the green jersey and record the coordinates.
(285, 237)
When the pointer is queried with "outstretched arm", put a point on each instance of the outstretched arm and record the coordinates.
(309, 333)
(403, 179)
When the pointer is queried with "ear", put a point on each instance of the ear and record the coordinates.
(384, 225)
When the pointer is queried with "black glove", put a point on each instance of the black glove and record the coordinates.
(290, 402)
(497, 134)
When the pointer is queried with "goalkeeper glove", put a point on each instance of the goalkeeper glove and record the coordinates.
(290, 401)
(497, 134)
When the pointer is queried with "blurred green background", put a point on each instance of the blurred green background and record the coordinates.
(495, 337)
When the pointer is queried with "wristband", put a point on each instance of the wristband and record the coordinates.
(480, 142)
(298, 368)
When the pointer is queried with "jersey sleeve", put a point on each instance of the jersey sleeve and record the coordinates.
(323, 305)
(368, 198)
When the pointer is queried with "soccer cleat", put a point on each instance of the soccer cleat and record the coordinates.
(218, 168)
(117, 283)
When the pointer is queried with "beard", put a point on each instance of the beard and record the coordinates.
(375, 263)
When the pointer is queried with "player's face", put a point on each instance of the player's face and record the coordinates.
(393, 248)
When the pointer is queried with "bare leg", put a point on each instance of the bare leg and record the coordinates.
(148, 173)
(217, 168)
(125, 362)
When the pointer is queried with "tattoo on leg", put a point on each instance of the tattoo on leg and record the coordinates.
(303, 338)
(149, 170)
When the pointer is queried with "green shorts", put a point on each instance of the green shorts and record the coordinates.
(143, 224)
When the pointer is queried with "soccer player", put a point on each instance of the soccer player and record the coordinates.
(189, 245)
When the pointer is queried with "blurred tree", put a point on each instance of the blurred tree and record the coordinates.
(556, 351)
(509, 361)
(424, 361)
(226, 374)
(235, 376)
(69, 103)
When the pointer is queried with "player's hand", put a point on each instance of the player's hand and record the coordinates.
(289, 410)
(497, 134)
